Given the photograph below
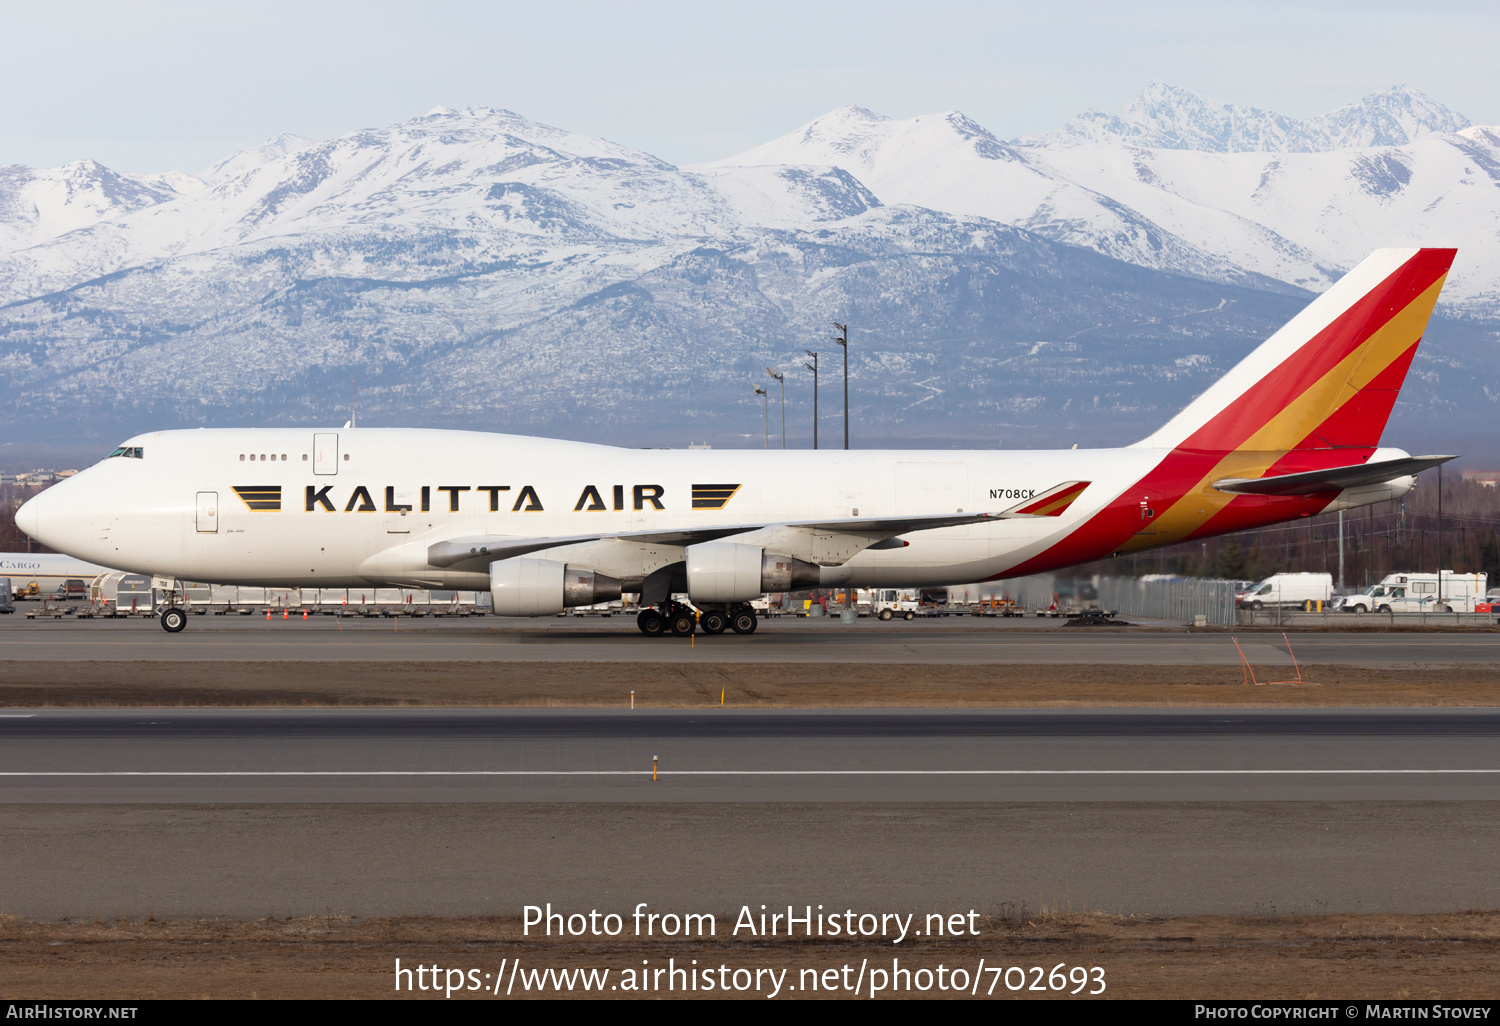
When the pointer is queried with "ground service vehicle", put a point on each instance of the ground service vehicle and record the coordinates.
(1419, 593)
(1287, 591)
(890, 603)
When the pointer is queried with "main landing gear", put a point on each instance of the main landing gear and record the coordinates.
(173, 620)
(681, 620)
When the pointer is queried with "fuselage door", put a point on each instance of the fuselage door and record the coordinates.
(208, 512)
(326, 452)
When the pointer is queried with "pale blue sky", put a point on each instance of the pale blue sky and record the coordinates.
(154, 86)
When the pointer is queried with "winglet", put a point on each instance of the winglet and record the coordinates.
(1051, 503)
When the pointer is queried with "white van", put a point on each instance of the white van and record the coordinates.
(1418, 593)
(1288, 591)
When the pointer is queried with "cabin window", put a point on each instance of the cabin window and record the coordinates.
(242, 457)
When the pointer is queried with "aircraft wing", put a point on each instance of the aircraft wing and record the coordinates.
(492, 547)
(1334, 479)
(488, 548)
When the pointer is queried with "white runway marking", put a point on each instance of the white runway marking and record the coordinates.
(747, 773)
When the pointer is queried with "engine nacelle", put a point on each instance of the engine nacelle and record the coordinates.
(545, 587)
(728, 572)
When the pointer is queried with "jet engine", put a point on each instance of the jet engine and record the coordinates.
(729, 572)
(544, 587)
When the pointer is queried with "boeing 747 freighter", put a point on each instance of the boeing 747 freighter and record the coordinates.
(1293, 430)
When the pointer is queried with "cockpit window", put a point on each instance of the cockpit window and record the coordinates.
(130, 452)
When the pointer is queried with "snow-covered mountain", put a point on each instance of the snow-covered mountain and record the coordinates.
(948, 162)
(477, 268)
(1182, 184)
(247, 160)
(40, 204)
(1169, 117)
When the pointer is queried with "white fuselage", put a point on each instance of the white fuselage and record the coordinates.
(175, 511)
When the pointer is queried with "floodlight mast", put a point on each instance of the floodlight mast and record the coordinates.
(842, 339)
(777, 375)
(762, 392)
(814, 368)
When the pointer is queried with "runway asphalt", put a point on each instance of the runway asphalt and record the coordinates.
(486, 755)
(952, 641)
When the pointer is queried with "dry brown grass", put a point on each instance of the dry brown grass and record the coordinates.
(1340, 957)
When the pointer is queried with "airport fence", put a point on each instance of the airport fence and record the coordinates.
(1182, 599)
(1167, 598)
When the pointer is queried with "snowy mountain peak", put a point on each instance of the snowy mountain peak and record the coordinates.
(256, 156)
(1164, 116)
(1487, 135)
(1395, 117)
(37, 204)
(861, 140)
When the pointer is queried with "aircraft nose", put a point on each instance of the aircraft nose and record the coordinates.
(28, 516)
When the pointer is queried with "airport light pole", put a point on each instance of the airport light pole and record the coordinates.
(842, 339)
(1341, 550)
(814, 368)
(778, 376)
(1440, 536)
(762, 393)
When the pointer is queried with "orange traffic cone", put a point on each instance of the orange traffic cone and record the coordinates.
(284, 614)
(304, 614)
(268, 614)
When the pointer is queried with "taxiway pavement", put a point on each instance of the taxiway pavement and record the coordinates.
(945, 641)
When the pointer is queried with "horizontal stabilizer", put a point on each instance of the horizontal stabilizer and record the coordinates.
(1334, 479)
(1051, 503)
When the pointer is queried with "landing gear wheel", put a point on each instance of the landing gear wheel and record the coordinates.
(713, 622)
(886, 614)
(908, 615)
(651, 623)
(743, 620)
(173, 620)
(682, 622)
